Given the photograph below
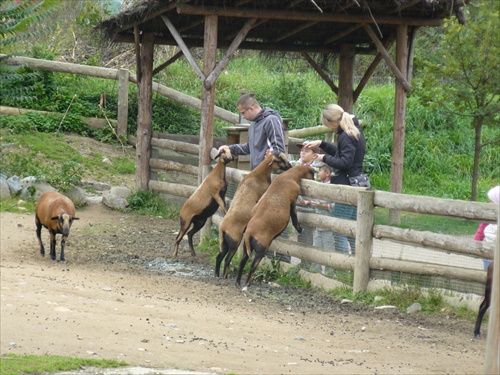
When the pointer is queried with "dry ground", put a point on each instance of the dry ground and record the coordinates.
(121, 295)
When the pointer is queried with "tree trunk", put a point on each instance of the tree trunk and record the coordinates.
(478, 126)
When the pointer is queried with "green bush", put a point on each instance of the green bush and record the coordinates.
(151, 203)
(439, 145)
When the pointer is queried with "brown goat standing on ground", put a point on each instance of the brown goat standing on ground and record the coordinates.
(486, 301)
(55, 212)
(205, 201)
(248, 193)
(271, 216)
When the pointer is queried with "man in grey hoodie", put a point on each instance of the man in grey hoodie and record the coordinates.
(265, 134)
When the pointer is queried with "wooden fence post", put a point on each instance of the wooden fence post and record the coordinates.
(123, 75)
(364, 229)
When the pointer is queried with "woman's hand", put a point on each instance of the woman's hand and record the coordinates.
(312, 144)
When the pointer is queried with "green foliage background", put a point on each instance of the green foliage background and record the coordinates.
(439, 144)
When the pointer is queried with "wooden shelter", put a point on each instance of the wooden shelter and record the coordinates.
(312, 28)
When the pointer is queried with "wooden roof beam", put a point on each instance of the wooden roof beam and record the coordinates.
(400, 76)
(339, 36)
(171, 60)
(264, 20)
(249, 45)
(294, 31)
(192, 25)
(212, 77)
(357, 27)
(183, 48)
(371, 69)
(321, 72)
(304, 16)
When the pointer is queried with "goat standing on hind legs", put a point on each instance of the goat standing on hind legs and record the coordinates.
(271, 216)
(248, 193)
(486, 301)
(205, 201)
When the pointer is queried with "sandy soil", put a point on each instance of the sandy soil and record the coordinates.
(121, 295)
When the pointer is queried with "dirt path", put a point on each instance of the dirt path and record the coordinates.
(121, 295)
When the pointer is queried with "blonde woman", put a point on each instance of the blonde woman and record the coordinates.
(346, 158)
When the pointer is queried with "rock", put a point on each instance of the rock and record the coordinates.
(385, 307)
(15, 185)
(25, 193)
(414, 308)
(117, 197)
(106, 161)
(114, 201)
(4, 189)
(40, 188)
(99, 186)
(77, 196)
(120, 191)
(28, 181)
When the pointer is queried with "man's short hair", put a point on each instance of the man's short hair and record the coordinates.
(246, 100)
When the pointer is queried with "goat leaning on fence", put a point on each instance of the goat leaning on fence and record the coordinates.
(271, 216)
(486, 302)
(248, 193)
(205, 201)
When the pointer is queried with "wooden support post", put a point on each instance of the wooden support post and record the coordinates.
(123, 75)
(144, 117)
(346, 77)
(398, 141)
(207, 107)
(364, 240)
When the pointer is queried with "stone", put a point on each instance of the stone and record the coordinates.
(77, 196)
(4, 189)
(414, 308)
(15, 185)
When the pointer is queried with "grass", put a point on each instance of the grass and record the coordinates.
(432, 223)
(151, 203)
(51, 158)
(13, 204)
(432, 301)
(12, 364)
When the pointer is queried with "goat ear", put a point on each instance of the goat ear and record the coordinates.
(75, 218)
(54, 218)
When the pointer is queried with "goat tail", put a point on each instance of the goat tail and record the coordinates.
(247, 247)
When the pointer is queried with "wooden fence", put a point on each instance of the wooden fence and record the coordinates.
(363, 229)
(367, 234)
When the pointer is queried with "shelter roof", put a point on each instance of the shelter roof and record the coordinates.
(312, 26)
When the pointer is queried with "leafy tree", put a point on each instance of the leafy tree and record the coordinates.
(461, 73)
(18, 20)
